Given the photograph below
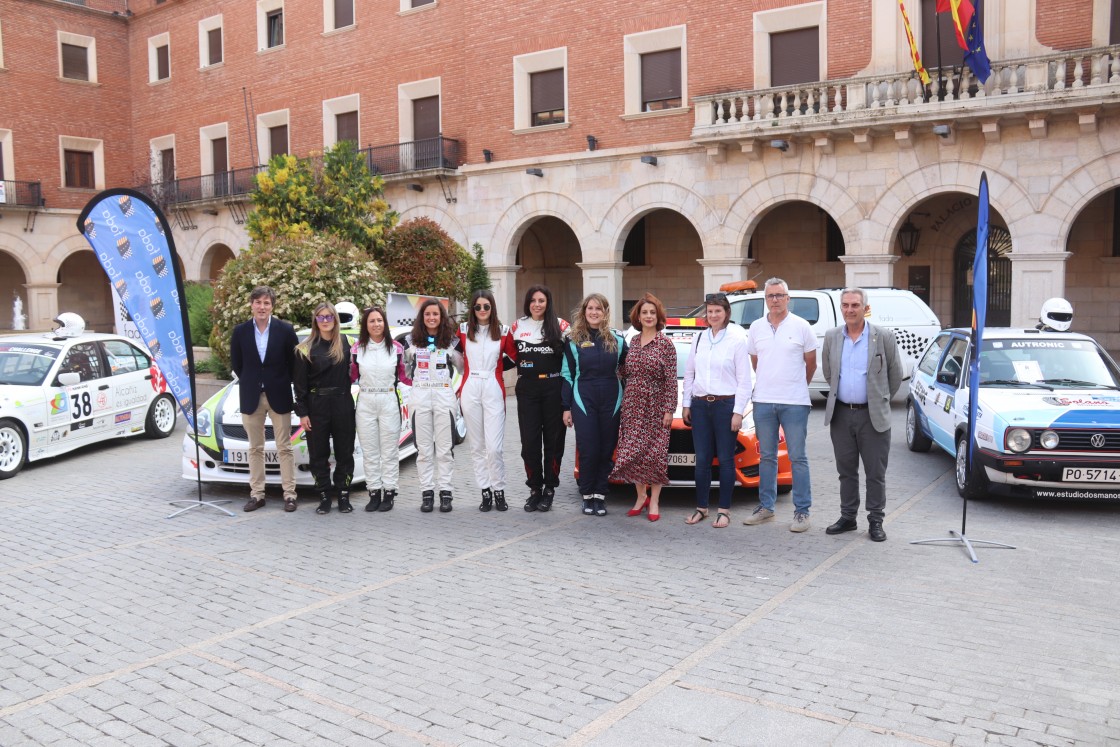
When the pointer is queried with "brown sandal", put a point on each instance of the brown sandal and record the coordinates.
(697, 516)
(724, 517)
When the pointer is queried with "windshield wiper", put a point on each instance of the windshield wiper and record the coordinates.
(1015, 382)
(1079, 382)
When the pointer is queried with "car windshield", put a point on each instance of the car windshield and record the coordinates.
(746, 311)
(1056, 362)
(25, 365)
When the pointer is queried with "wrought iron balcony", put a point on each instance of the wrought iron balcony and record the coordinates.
(1074, 81)
(21, 194)
(418, 155)
(206, 188)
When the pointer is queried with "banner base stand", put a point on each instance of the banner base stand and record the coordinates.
(199, 504)
(958, 538)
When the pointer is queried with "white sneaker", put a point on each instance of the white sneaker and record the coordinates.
(759, 516)
(800, 522)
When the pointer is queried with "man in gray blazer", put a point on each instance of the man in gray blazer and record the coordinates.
(861, 365)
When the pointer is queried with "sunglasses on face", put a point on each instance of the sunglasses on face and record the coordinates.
(324, 317)
(482, 307)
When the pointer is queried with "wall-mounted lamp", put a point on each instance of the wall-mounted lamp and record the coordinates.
(651, 160)
(534, 172)
(942, 130)
(592, 143)
(908, 238)
(487, 155)
(415, 187)
(782, 145)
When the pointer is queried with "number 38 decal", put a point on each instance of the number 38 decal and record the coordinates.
(82, 405)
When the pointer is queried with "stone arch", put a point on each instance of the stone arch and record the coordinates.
(18, 249)
(444, 219)
(217, 252)
(13, 276)
(632, 205)
(517, 218)
(1073, 193)
(196, 256)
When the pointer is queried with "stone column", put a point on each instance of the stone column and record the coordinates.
(869, 270)
(505, 291)
(1035, 278)
(718, 271)
(42, 305)
(605, 278)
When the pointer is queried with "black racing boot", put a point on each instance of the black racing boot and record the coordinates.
(387, 502)
(444, 501)
(546, 499)
(487, 501)
(324, 502)
(374, 500)
(534, 500)
(427, 501)
(344, 506)
(500, 500)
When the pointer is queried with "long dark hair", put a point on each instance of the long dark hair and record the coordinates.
(363, 333)
(472, 320)
(550, 325)
(444, 335)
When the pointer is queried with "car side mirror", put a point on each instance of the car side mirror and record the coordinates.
(69, 378)
(948, 377)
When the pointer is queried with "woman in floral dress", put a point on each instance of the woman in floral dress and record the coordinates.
(648, 403)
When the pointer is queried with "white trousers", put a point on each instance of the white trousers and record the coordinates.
(484, 408)
(432, 411)
(379, 431)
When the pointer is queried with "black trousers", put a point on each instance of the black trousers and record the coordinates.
(540, 418)
(332, 419)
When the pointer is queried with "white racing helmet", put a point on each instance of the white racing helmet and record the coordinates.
(1057, 314)
(347, 314)
(69, 325)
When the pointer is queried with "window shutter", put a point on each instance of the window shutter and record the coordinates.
(547, 91)
(79, 169)
(1114, 24)
(75, 62)
(214, 41)
(425, 118)
(343, 13)
(795, 57)
(163, 63)
(661, 76)
(167, 164)
(278, 140)
(346, 127)
(951, 52)
(220, 157)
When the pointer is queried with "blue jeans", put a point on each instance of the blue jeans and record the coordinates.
(712, 437)
(794, 420)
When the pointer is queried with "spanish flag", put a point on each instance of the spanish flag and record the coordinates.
(914, 56)
(962, 12)
(970, 35)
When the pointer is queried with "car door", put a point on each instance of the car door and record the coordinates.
(130, 386)
(940, 400)
(90, 400)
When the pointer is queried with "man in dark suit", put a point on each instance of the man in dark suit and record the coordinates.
(863, 371)
(262, 354)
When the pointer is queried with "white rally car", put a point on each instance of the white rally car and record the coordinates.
(67, 388)
(224, 444)
(1048, 421)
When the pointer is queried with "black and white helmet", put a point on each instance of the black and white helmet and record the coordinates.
(1057, 314)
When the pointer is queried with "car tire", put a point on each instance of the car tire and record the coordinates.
(161, 417)
(969, 486)
(13, 449)
(783, 489)
(915, 439)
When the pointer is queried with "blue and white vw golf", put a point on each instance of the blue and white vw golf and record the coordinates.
(1048, 417)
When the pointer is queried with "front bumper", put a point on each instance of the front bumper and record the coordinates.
(1030, 475)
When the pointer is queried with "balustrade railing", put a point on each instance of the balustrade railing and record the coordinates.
(21, 194)
(417, 155)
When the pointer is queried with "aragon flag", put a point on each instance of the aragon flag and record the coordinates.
(133, 243)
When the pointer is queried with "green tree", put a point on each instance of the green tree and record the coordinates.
(337, 195)
(479, 278)
(303, 271)
(419, 257)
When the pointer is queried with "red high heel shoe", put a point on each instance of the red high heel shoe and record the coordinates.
(654, 517)
(638, 511)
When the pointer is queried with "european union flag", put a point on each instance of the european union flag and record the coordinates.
(976, 56)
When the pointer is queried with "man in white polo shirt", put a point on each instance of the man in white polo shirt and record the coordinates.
(783, 351)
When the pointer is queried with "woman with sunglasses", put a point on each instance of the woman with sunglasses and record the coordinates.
(482, 395)
(717, 392)
(431, 358)
(592, 396)
(377, 364)
(321, 380)
(536, 343)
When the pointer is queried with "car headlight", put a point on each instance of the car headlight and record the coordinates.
(204, 424)
(1019, 439)
(1049, 440)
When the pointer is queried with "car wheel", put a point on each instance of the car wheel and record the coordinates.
(783, 489)
(161, 417)
(13, 449)
(915, 439)
(458, 429)
(969, 486)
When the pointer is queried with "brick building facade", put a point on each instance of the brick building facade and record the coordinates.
(676, 147)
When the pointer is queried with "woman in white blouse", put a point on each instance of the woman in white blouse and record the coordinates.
(717, 391)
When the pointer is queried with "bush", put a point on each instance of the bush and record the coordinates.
(199, 300)
(303, 272)
(419, 257)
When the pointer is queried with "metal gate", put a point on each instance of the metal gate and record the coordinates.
(999, 278)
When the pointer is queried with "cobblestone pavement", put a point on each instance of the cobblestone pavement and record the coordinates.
(121, 627)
